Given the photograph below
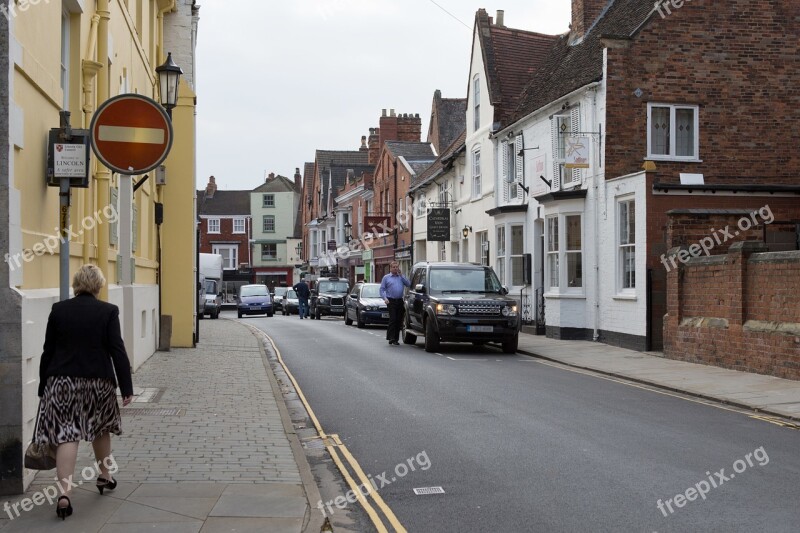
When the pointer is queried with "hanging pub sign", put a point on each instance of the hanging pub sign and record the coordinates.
(576, 152)
(68, 158)
(439, 224)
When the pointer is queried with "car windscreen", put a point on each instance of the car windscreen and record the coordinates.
(463, 280)
(371, 291)
(211, 287)
(333, 286)
(290, 294)
(254, 291)
(280, 291)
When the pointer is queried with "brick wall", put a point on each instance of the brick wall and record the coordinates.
(743, 75)
(739, 310)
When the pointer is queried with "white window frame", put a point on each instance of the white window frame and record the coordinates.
(563, 123)
(560, 254)
(421, 205)
(626, 241)
(264, 220)
(482, 241)
(476, 173)
(476, 102)
(442, 250)
(267, 257)
(239, 221)
(214, 225)
(500, 253)
(268, 201)
(219, 248)
(673, 138)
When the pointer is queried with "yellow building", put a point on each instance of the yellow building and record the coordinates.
(74, 55)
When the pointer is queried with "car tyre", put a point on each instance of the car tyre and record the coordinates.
(270, 314)
(319, 315)
(408, 338)
(510, 345)
(215, 315)
(359, 323)
(431, 337)
(239, 313)
(347, 320)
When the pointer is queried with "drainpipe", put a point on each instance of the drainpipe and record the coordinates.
(596, 335)
(103, 175)
(90, 70)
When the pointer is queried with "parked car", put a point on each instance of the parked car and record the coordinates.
(327, 298)
(277, 298)
(459, 302)
(364, 305)
(254, 300)
(290, 304)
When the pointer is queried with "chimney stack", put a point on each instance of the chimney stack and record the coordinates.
(271, 176)
(584, 13)
(364, 147)
(298, 179)
(500, 16)
(373, 146)
(211, 188)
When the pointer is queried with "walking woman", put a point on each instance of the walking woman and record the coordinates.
(77, 381)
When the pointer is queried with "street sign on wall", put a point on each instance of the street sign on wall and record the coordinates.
(131, 134)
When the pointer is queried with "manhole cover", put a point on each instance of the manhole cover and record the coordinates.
(152, 411)
(428, 490)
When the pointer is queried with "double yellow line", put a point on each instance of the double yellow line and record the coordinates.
(332, 444)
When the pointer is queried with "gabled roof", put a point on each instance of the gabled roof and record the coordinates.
(224, 203)
(308, 181)
(570, 67)
(442, 161)
(411, 150)
(278, 184)
(448, 118)
(510, 57)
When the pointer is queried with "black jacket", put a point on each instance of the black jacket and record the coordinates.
(83, 338)
(302, 290)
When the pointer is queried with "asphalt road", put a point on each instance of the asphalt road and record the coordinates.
(519, 445)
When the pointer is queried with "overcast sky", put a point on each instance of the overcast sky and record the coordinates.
(277, 80)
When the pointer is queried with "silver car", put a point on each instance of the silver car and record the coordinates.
(290, 304)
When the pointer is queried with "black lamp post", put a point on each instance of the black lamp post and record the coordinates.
(169, 78)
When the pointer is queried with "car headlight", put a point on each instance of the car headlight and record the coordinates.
(509, 310)
(446, 309)
(324, 301)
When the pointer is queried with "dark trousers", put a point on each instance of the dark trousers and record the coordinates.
(396, 311)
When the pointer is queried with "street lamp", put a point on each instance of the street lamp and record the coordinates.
(465, 232)
(169, 78)
(348, 235)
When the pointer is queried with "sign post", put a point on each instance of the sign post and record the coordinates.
(131, 134)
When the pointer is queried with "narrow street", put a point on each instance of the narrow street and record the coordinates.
(518, 445)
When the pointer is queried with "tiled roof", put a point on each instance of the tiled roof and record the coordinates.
(224, 203)
(410, 149)
(308, 182)
(510, 57)
(568, 68)
(452, 119)
(277, 184)
(439, 163)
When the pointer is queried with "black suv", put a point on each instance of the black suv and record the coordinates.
(327, 298)
(459, 302)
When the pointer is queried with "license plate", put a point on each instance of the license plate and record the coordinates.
(384, 315)
(255, 309)
(480, 329)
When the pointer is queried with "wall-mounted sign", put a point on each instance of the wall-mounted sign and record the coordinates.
(538, 186)
(68, 159)
(576, 152)
(439, 224)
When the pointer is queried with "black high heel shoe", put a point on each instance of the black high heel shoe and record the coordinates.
(103, 483)
(63, 512)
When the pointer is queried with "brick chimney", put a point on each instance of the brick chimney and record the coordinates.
(298, 179)
(364, 147)
(400, 127)
(584, 13)
(211, 188)
(374, 146)
(271, 176)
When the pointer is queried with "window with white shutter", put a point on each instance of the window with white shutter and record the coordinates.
(563, 126)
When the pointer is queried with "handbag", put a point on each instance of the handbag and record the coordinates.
(39, 455)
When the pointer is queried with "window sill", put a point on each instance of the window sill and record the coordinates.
(564, 296)
(668, 159)
(623, 296)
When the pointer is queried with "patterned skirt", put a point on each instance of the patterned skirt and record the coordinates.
(74, 409)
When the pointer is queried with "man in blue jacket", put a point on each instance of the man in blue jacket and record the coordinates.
(392, 287)
(303, 293)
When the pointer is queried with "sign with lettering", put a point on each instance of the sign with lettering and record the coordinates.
(69, 160)
(576, 152)
(439, 224)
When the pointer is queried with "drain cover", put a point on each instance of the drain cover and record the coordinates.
(428, 490)
(151, 411)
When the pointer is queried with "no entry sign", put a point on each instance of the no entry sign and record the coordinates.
(131, 134)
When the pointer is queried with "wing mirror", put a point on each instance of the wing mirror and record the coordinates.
(419, 287)
(503, 290)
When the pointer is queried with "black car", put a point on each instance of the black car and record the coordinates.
(459, 302)
(327, 298)
(364, 305)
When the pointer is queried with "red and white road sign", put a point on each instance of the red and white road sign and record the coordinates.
(131, 134)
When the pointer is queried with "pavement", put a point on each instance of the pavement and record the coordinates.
(208, 444)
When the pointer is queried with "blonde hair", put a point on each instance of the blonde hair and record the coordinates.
(89, 280)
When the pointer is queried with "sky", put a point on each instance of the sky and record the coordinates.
(277, 80)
